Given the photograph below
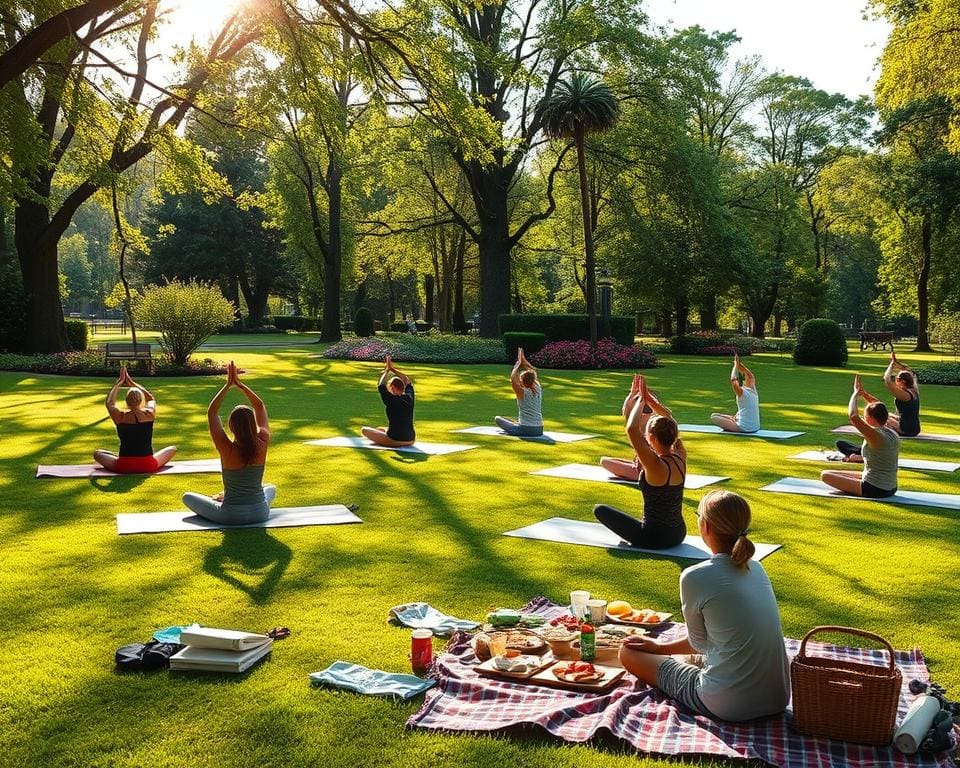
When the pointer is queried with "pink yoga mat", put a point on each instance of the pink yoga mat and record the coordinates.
(194, 466)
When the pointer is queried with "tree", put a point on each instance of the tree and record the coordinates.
(578, 107)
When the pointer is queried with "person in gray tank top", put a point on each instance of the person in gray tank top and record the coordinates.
(244, 499)
(880, 451)
(747, 417)
(526, 387)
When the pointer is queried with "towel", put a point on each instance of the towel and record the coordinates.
(425, 616)
(373, 682)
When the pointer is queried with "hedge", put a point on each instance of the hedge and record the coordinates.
(422, 327)
(76, 334)
(939, 373)
(568, 327)
(529, 342)
(293, 323)
(820, 342)
(363, 323)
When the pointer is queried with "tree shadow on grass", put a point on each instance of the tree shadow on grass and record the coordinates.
(250, 560)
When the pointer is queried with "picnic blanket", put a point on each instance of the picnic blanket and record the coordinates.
(645, 718)
(425, 616)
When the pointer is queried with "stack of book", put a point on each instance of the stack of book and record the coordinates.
(220, 650)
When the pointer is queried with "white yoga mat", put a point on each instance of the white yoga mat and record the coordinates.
(194, 466)
(849, 429)
(821, 456)
(713, 429)
(807, 487)
(563, 531)
(598, 474)
(427, 449)
(281, 517)
(547, 437)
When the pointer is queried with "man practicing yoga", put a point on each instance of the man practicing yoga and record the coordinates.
(244, 499)
(879, 453)
(732, 621)
(396, 391)
(748, 402)
(526, 387)
(659, 468)
(135, 430)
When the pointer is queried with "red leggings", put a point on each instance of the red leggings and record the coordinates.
(136, 465)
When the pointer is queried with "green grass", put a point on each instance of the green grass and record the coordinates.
(72, 591)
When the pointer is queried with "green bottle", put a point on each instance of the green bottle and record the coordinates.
(588, 643)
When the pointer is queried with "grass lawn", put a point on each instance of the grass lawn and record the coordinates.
(72, 591)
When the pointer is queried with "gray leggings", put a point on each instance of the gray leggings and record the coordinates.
(230, 514)
(517, 430)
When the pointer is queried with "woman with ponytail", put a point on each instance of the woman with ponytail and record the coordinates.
(732, 622)
(244, 499)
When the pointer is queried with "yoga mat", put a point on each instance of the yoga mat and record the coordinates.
(280, 517)
(547, 437)
(194, 466)
(713, 429)
(599, 474)
(563, 531)
(821, 456)
(429, 449)
(849, 429)
(807, 487)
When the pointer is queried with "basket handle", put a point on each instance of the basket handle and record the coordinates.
(850, 631)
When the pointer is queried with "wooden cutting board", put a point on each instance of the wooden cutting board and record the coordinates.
(611, 677)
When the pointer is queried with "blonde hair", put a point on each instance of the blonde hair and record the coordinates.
(728, 514)
(664, 429)
(528, 378)
(134, 397)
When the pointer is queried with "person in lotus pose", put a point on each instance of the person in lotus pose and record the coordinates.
(244, 499)
(526, 387)
(902, 383)
(747, 418)
(396, 391)
(135, 431)
(732, 623)
(659, 467)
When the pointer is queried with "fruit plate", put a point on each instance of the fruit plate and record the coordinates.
(611, 677)
(662, 618)
(537, 664)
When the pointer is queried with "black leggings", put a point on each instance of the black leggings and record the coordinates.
(848, 449)
(636, 532)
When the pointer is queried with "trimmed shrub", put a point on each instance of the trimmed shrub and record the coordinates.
(939, 373)
(76, 334)
(715, 343)
(422, 327)
(92, 363)
(185, 314)
(363, 323)
(13, 326)
(292, 323)
(722, 350)
(558, 327)
(820, 342)
(433, 347)
(529, 342)
(578, 355)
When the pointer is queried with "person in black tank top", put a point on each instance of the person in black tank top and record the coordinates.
(659, 468)
(902, 383)
(396, 391)
(134, 430)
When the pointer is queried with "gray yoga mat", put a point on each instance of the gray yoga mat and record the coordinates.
(849, 429)
(713, 429)
(194, 466)
(427, 449)
(280, 517)
(821, 456)
(598, 474)
(807, 487)
(547, 437)
(564, 531)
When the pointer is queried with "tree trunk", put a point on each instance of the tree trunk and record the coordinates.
(589, 265)
(666, 323)
(428, 283)
(757, 322)
(708, 313)
(392, 300)
(683, 312)
(777, 324)
(459, 321)
(923, 302)
(494, 247)
(517, 300)
(37, 254)
(333, 266)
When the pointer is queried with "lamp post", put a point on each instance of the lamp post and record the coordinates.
(605, 288)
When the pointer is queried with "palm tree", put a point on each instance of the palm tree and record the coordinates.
(577, 107)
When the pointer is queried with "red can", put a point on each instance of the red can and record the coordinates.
(421, 650)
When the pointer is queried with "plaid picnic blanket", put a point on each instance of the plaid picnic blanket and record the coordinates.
(645, 718)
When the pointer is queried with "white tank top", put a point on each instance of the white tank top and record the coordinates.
(748, 410)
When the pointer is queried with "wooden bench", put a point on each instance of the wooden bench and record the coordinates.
(875, 339)
(124, 351)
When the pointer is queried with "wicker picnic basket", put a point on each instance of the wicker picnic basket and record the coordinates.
(845, 700)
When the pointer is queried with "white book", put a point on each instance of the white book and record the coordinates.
(218, 660)
(224, 639)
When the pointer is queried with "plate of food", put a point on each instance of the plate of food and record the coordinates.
(578, 676)
(513, 664)
(621, 612)
(521, 640)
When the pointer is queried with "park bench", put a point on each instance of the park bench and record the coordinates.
(875, 339)
(124, 351)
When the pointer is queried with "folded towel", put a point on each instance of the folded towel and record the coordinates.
(425, 616)
(172, 634)
(374, 682)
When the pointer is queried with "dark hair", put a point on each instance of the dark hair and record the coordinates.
(878, 412)
(528, 378)
(664, 429)
(395, 381)
(243, 424)
(728, 514)
(905, 378)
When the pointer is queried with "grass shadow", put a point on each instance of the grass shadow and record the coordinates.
(250, 560)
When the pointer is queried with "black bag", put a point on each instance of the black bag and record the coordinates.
(146, 656)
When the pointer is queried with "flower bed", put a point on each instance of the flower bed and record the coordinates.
(91, 363)
(433, 347)
(722, 350)
(609, 354)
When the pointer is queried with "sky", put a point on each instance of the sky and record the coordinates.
(826, 41)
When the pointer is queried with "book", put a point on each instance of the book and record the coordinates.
(224, 639)
(196, 659)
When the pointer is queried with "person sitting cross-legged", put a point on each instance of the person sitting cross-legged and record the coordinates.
(526, 387)
(396, 391)
(747, 418)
